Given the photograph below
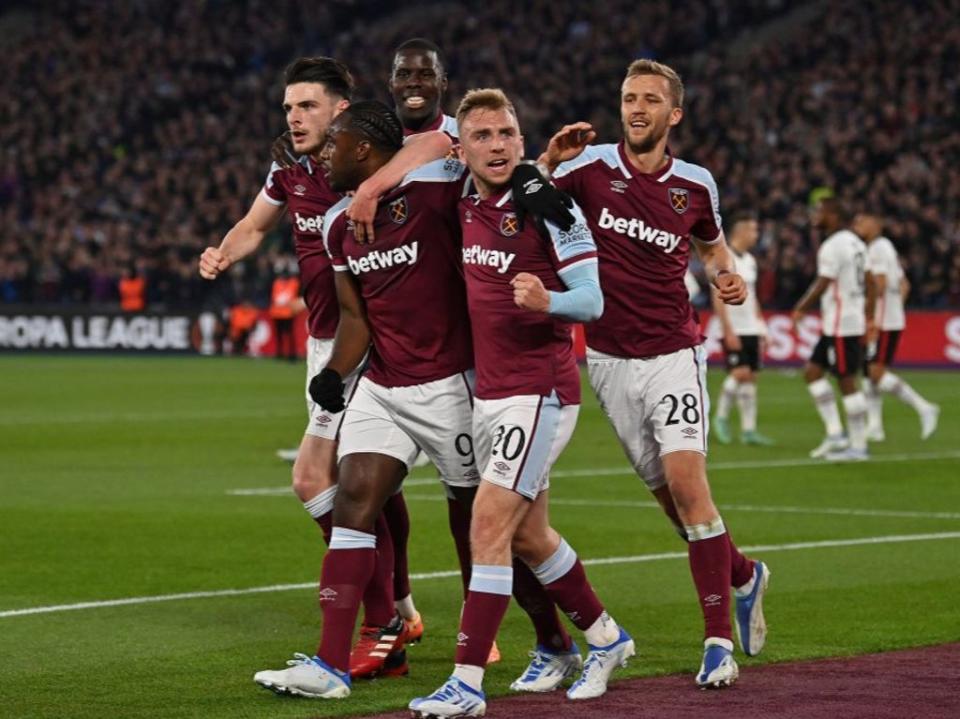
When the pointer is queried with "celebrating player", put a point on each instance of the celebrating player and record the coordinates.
(890, 287)
(744, 332)
(317, 90)
(841, 265)
(524, 286)
(644, 355)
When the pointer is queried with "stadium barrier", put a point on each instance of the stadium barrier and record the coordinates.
(931, 339)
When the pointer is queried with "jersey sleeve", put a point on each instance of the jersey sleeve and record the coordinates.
(273, 191)
(334, 230)
(572, 247)
(709, 226)
(569, 175)
(828, 263)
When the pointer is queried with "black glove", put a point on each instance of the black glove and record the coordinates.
(282, 151)
(534, 196)
(326, 389)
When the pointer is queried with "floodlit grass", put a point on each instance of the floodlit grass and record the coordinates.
(114, 481)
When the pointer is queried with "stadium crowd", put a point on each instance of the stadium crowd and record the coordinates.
(135, 133)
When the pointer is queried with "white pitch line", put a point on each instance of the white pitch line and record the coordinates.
(823, 544)
(625, 470)
(634, 504)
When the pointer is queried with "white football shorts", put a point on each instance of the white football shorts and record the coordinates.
(399, 421)
(321, 423)
(518, 439)
(657, 405)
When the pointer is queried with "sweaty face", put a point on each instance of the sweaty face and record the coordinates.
(417, 84)
(340, 155)
(310, 111)
(647, 111)
(491, 146)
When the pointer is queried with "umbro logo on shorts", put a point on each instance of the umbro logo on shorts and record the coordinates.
(323, 419)
(502, 466)
(689, 431)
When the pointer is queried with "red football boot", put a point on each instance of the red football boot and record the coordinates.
(369, 656)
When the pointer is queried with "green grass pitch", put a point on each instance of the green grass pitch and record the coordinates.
(114, 483)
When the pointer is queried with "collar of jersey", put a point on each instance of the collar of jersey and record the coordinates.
(630, 171)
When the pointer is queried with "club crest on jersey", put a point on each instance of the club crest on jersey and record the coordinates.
(398, 210)
(679, 199)
(509, 225)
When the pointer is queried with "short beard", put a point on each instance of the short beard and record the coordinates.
(644, 147)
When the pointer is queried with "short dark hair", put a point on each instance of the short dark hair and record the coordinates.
(376, 123)
(743, 216)
(332, 74)
(421, 43)
(836, 206)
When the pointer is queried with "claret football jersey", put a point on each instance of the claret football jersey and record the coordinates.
(410, 277)
(643, 225)
(519, 351)
(304, 189)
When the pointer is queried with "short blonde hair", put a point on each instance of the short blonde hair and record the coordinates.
(652, 67)
(487, 98)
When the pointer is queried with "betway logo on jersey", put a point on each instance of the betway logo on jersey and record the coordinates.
(639, 231)
(500, 261)
(308, 224)
(377, 260)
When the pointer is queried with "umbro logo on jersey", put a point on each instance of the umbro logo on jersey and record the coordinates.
(377, 260)
(618, 186)
(468, 217)
(398, 210)
(500, 261)
(308, 224)
(509, 225)
(679, 199)
(638, 230)
(299, 190)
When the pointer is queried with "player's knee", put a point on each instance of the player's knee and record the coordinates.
(743, 374)
(812, 372)
(876, 371)
(310, 480)
(487, 532)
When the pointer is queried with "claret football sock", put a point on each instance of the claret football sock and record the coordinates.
(398, 520)
(709, 555)
(347, 569)
(378, 605)
(487, 602)
(534, 600)
(565, 580)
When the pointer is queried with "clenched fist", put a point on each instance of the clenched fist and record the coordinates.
(212, 263)
(731, 288)
(529, 293)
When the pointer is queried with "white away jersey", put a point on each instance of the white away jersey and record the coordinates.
(882, 260)
(744, 318)
(843, 259)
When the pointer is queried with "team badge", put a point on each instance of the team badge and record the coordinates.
(398, 210)
(299, 190)
(509, 225)
(679, 199)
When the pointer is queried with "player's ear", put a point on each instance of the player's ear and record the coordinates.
(363, 150)
(676, 115)
(443, 82)
(458, 148)
(341, 105)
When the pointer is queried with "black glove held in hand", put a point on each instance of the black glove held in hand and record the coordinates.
(327, 390)
(533, 195)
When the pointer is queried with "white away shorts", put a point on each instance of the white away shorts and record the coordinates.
(656, 405)
(518, 439)
(321, 423)
(400, 421)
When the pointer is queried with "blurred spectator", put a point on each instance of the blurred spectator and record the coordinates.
(139, 131)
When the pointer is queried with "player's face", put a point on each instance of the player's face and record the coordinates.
(310, 110)
(417, 84)
(491, 146)
(749, 233)
(866, 226)
(341, 154)
(647, 111)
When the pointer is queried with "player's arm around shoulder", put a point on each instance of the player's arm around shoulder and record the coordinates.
(243, 239)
